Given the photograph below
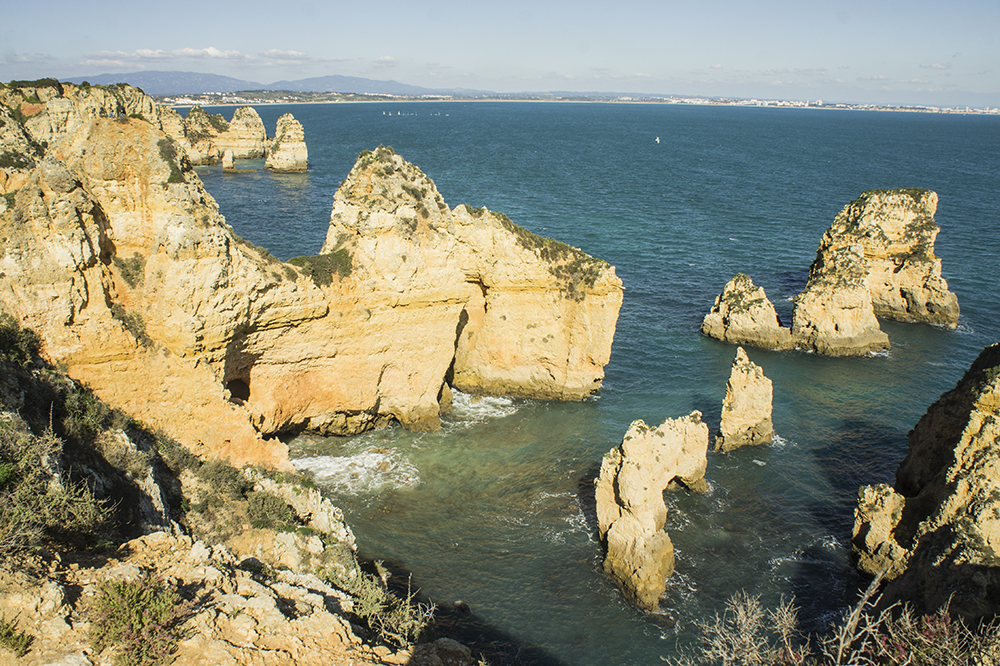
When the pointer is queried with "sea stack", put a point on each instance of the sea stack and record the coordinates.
(937, 531)
(876, 260)
(288, 149)
(746, 409)
(833, 315)
(742, 314)
(630, 508)
(896, 231)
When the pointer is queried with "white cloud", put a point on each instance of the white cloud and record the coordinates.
(937, 65)
(141, 56)
(715, 66)
(385, 61)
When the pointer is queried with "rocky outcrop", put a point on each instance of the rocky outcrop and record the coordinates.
(288, 150)
(937, 531)
(527, 316)
(876, 259)
(246, 135)
(119, 258)
(630, 509)
(742, 314)
(207, 137)
(746, 409)
(833, 315)
(896, 231)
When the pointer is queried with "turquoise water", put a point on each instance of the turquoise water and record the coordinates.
(497, 508)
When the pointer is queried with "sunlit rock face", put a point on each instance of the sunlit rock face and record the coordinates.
(630, 508)
(746, 409)
(119, 258)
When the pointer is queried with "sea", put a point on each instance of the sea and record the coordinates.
(496, 510)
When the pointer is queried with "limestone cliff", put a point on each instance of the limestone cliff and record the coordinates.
(288, 151)
(119, 258)
(630, 508)
(746, 409)
(938, 530)
(531, 316)
(896, 232)
(742, 314)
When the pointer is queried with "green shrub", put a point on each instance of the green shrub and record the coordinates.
(16, 641)
(133, 270)
(141, 618)
(133, 323)
(35, 502)
(268, 511)
(168, 153)
(322, 267)
(397, 620)
(10, 198)
(17, 345)
(224, 478)
(12, 160)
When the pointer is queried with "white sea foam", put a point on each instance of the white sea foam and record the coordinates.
(471, 409)
(368, 471)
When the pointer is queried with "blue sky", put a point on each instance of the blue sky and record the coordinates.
(912, 52)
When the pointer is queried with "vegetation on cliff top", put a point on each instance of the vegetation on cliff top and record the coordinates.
(322, 267)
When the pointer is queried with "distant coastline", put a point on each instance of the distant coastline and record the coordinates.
(260, 97)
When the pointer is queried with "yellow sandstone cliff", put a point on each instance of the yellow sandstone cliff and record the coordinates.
(119, 258)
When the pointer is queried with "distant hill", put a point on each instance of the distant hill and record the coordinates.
(193, 83)
(172, 83)
(350, 84)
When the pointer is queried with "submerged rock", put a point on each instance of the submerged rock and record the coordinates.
(746, 409)
(288, 151)
(937, 531)
(742, 314)
(630, 508)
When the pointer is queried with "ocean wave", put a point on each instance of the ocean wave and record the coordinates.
(369, 471)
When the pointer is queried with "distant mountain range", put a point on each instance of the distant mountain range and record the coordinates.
(192, 83)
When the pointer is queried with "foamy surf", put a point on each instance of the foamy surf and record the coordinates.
(471, 409)
(370, 471)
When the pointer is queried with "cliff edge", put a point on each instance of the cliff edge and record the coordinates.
(937, 531)
(120, 259)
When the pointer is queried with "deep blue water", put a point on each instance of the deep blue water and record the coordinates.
(496, 509)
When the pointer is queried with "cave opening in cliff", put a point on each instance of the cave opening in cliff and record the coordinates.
(239, 390)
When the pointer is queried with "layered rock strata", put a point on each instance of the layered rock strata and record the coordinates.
(896, 231)
(118, 257)
(743, 315)
(630, 509)
(288, 151)
(937, 531)
(746, 409)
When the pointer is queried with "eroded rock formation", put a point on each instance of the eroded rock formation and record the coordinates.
(630, 509)
(746, 409)
(937, 531)
(876, 259)
(742, 314)
(833, 315)
(896, 232)
(288, 150)
(206, 137)
(119, 258)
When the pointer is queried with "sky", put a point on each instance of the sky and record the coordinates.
(881, 52)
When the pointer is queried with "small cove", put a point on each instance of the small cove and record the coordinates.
(496, 508)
